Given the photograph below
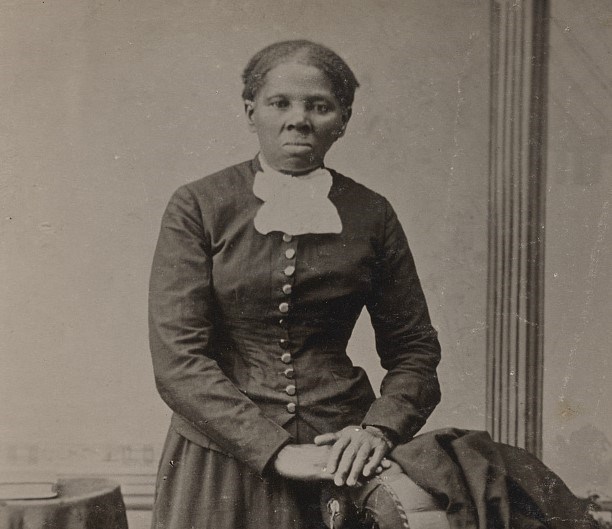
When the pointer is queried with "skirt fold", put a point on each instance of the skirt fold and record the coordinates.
(199, 488)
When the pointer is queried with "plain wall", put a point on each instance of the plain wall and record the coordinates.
(578, 298)
(108, 106)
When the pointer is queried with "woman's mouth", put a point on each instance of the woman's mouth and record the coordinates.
(297, 145)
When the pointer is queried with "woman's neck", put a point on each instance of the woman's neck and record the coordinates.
(265, 165)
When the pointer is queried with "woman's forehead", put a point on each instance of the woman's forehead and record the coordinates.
(296, 77)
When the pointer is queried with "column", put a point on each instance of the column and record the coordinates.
(519, 54)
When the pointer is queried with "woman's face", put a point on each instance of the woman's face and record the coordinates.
(296, 116)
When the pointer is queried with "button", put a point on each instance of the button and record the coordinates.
(289, 271)
(282, 322)
(284, 307)
(287, 237)
(284, 343)
(286, 358)
(289, 372)
(290, 389)
(290, 253)
(291, 407)
(287, 289)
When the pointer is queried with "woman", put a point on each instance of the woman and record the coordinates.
(259, 275)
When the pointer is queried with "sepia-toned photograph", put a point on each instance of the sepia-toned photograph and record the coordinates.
(305, 265)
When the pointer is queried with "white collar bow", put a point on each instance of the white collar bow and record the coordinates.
(295, 204)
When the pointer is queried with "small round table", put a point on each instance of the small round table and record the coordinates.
(83, 503)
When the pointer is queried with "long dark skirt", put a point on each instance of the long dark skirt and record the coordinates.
(199, 488)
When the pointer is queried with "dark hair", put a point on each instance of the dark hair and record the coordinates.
(310, 53)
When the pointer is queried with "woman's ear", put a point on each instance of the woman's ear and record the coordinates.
(249, 108)
(346, 116)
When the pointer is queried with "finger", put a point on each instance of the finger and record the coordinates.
(375, 460)
(335, 453)
(345, 464)
(325, 439)
(357, 466)
(384, 465)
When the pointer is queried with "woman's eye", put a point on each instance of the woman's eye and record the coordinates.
(321, 108)
(280, 103)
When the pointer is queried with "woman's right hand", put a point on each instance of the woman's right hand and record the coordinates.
(305, 462)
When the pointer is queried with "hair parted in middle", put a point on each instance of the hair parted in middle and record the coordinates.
(341, 77)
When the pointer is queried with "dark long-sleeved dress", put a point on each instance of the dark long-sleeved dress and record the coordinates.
(248, 335)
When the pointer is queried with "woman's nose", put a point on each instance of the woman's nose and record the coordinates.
(299, 118)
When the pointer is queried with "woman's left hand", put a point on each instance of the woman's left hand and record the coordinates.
(356, 451)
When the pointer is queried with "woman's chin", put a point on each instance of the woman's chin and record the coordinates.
(298, 160)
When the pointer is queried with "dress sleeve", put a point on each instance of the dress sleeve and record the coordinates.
(181, 329)
(406, 342)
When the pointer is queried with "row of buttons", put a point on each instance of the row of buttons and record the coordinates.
(284, 307)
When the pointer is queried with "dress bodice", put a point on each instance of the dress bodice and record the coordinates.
(261, 322)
